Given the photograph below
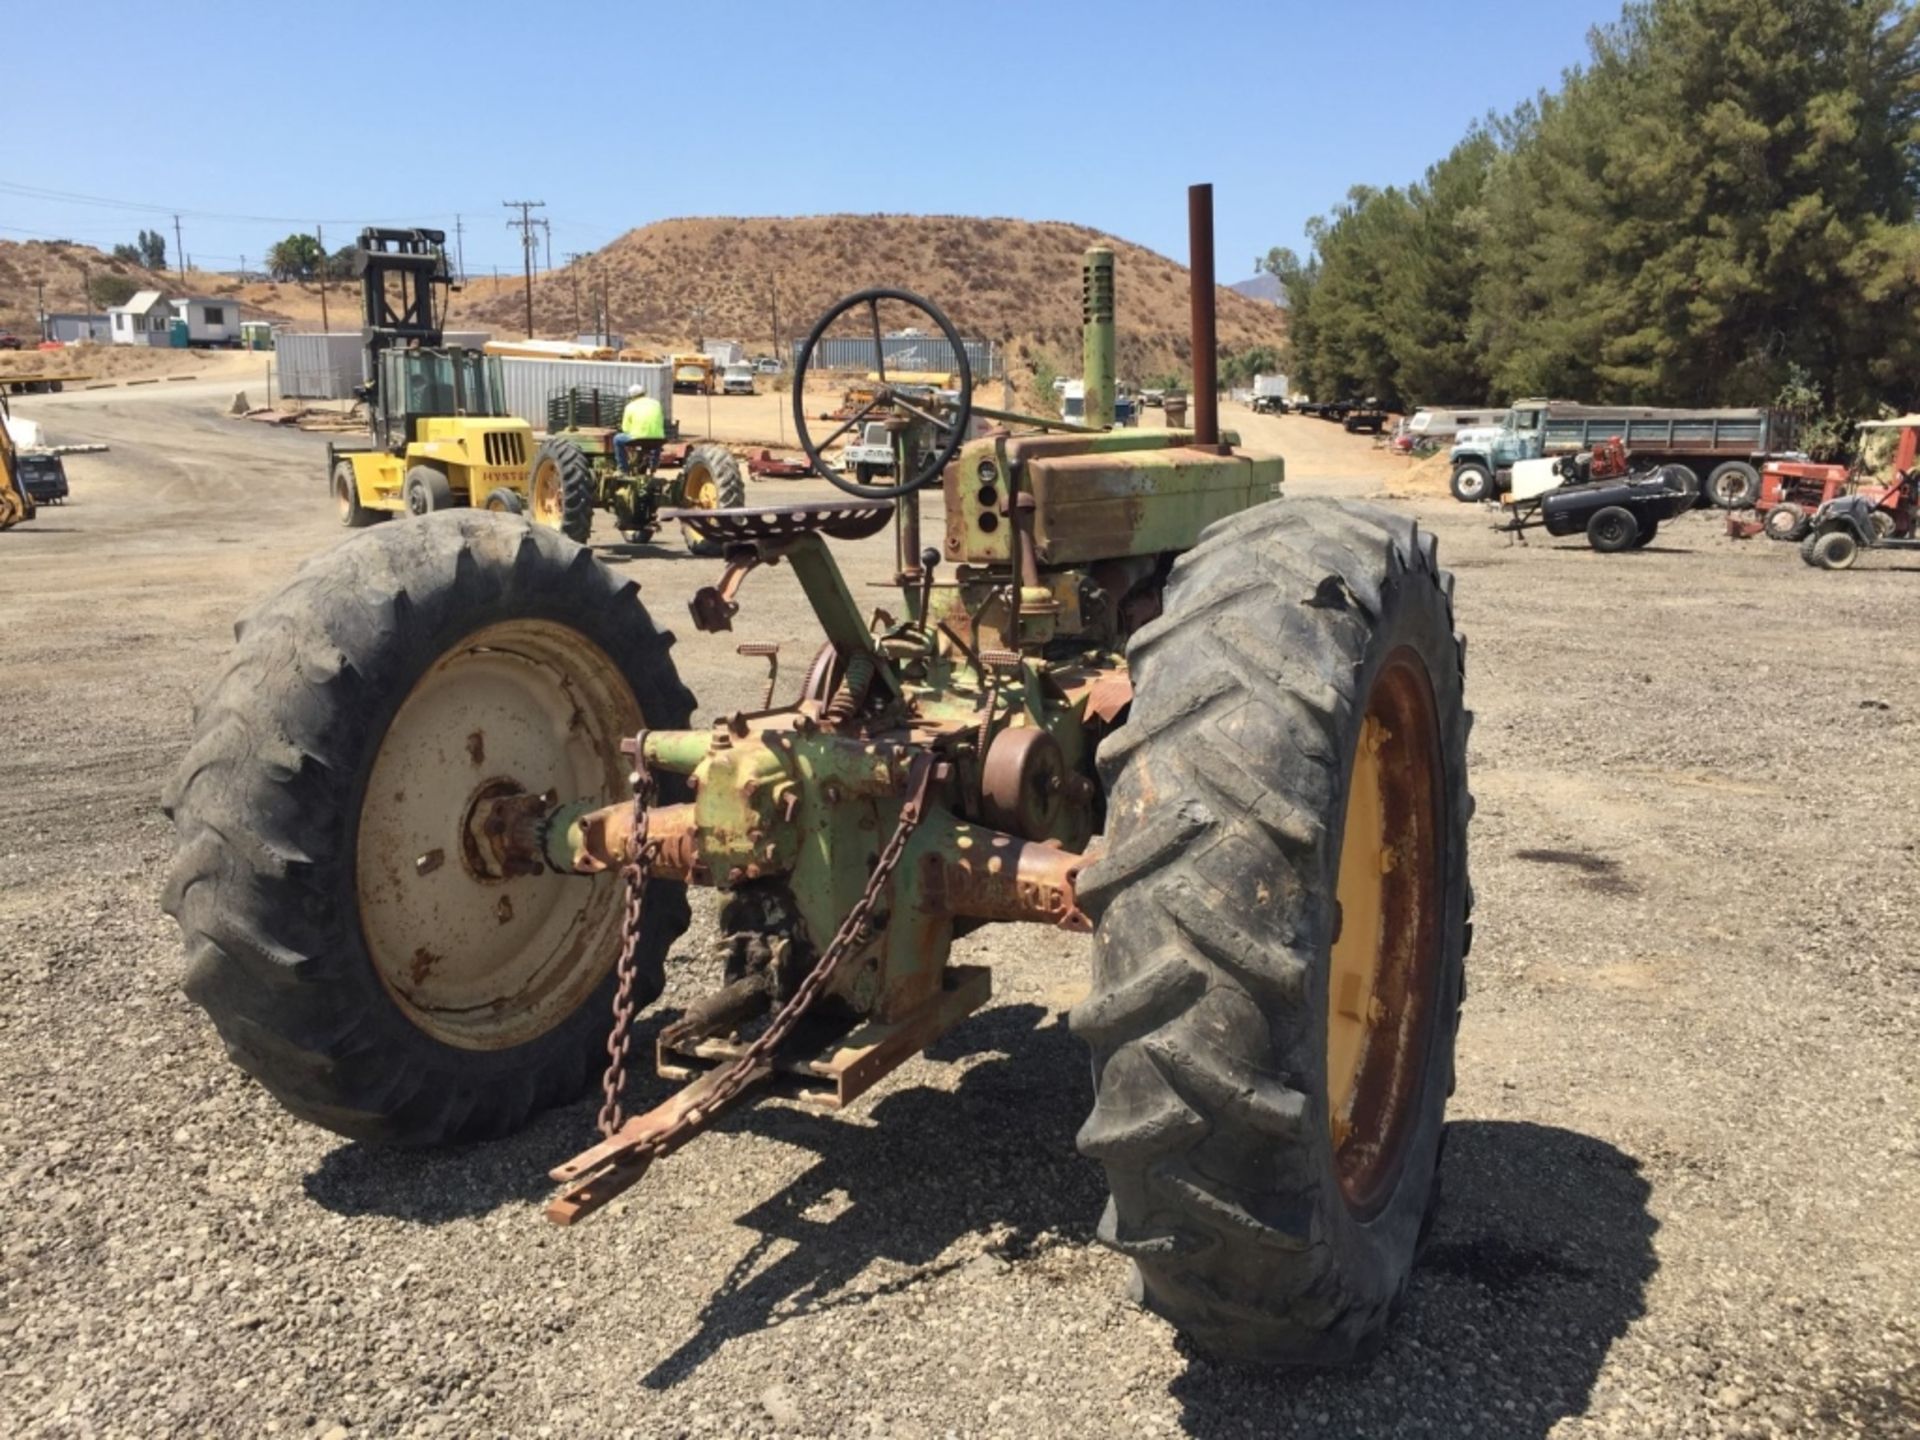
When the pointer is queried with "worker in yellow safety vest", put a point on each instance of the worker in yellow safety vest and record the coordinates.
(643, 422)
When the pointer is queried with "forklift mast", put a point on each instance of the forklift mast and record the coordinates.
(403, 280)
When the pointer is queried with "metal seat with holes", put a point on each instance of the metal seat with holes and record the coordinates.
(836, 519)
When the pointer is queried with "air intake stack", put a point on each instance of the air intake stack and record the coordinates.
(1096, 335)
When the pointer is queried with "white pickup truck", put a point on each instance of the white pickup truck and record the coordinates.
(737, 380)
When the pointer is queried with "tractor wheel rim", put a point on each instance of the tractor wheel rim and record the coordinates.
(546, 500)
(478, 962)
(1384, 959)
(702, 492)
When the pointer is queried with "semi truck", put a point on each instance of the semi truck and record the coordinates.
(1723, 448)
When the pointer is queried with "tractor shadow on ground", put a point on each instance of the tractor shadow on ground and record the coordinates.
(623, 550)
(995, 1154)
(460, 1182)
(1539, 1261)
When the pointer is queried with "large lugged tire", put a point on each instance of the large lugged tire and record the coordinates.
(561, 490)
(336, 929)
(1272, 1141)
(710, 480)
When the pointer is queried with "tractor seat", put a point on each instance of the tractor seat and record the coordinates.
(836, 519)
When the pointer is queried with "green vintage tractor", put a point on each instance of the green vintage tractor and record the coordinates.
(578, 459)
(432, 856)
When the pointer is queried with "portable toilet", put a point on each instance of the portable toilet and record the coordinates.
(256, 334)
(177, 333)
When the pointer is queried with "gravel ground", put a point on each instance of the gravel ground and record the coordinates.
(1684, 1149)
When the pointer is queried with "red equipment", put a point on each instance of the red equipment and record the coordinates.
(766, 467)
(1791, 491)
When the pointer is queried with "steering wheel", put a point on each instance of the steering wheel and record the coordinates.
(948, 419)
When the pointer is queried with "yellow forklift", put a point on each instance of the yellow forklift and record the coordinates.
(16, 501)
(441, 437)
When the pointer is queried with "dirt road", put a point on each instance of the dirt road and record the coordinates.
(1681, 1173)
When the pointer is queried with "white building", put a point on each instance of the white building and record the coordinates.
(209, 321)
(142, 320)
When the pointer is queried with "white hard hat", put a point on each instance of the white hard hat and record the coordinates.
(633, 390)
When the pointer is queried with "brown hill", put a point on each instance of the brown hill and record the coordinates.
(1005, 280)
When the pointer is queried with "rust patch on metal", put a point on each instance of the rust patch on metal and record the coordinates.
(477, 748)
(423, 962)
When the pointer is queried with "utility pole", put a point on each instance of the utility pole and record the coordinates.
(40, 289)
(773, 300)
(700, 329)
(574, 257)
(528, 244)
(179, 252)
(321, 241)
(86, 289)
(546, 229)
(460, 248)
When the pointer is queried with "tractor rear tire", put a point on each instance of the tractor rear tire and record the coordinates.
(426, 490)
(1612, 529)
(561, 490)
(710, 480)
(1834, 550)
(1785, 521)
(346, 496)
(1733, 485)
(1271, 1078)
(336, 930)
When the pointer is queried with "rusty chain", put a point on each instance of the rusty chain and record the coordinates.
(613, 1085)
(854, 932)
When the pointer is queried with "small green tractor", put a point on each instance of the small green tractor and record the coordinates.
(438, 821)
(577, 459)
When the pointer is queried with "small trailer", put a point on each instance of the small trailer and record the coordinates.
(1596, 494)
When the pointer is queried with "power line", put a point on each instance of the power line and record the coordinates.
(528, 244)
(67, 197)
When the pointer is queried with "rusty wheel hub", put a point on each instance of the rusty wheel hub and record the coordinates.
(481, 946)
(1380, 1001)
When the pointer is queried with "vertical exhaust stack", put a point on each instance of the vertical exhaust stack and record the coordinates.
(1206, 392)
(1096, 335)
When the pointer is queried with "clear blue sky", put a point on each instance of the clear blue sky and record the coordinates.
(621, 114)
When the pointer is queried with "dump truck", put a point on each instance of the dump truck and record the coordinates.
(1723, 448)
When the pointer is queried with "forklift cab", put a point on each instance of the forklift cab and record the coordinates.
(416, 383)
